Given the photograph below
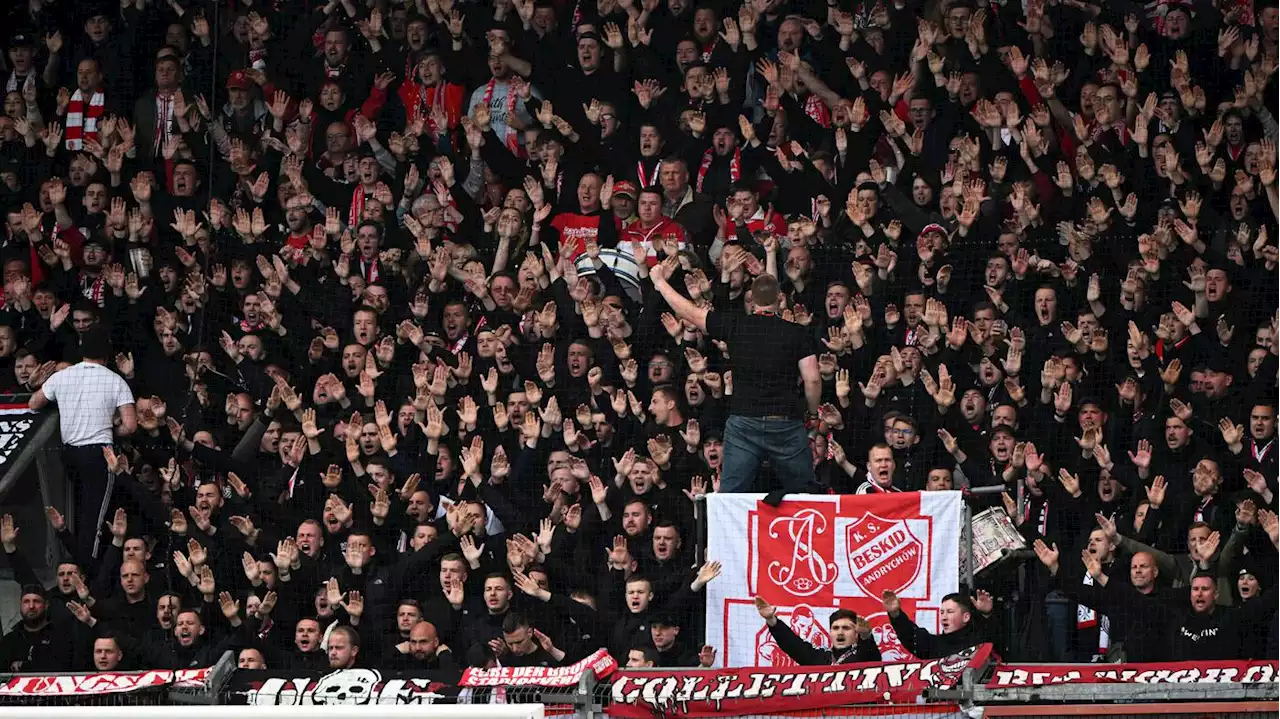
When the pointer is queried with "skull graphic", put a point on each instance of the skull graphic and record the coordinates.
(345, 686)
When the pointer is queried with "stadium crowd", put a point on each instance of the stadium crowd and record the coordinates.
(380, 278)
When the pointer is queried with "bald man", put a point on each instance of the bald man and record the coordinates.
(423, 650)
(1141, 612)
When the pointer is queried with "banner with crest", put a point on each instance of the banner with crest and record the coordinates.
(818, 553)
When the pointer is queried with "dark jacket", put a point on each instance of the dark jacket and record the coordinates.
(808, 655)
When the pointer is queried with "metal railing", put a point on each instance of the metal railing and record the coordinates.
(113, 688)
(592, 699)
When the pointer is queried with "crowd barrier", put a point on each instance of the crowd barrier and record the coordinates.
(972, 683)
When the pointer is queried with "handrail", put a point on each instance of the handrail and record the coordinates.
(46, 429)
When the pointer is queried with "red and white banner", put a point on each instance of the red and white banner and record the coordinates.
(1208, 672)
(600, 664)
(739, 692)
(16, 424)
(818, 553)
(15, 408)
(62, 685)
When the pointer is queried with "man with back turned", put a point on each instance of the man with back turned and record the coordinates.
(770, 357)
(89, 395)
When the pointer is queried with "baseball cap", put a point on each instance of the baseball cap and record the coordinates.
(21, 38)
(100, 241)
(624, 188)
(1005, 429)
(35, 589)
(238, 80)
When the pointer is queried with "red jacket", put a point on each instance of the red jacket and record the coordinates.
(666, 230)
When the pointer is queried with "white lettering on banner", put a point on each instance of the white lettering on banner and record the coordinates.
(808, 572)
(103, 683)
(345, 687)
(885, 555)
(818, 553)
(672, 691)
(12, 432)
(600, 663)
(1172, 673)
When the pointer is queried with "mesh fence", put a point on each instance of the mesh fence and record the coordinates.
(413, 368)
(1207, 711)
(886, 712)
(143, 697)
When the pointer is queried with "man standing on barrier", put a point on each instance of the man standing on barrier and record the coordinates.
(770, 357)
(89, 395)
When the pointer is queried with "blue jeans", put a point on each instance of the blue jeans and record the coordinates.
(1060, 617)
(747, 440)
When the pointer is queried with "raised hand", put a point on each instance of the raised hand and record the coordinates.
(767, 611)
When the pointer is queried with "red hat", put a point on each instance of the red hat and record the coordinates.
(624, 187)
(238, 80)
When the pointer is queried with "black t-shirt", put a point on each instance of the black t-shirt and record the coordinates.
(765, 351)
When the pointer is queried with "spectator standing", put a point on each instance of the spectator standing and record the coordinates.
(89, 395)
(765, 420)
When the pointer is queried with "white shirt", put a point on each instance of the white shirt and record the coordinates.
(88, 395)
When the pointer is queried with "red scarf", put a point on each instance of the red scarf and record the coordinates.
(735, 166)
(645, 179)
(82, 118)
(357, 205)
(816, 109)
(707, 50)
(369, 268)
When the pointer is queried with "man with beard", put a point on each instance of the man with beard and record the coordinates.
(1210, 631)
(195, 648)
(507, 111)
(1213, 396)
(298, 219)
(851, 638)
(35, 644)
(1176, 460)
(423, 650)
(344, 648)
